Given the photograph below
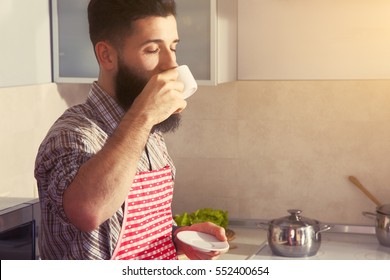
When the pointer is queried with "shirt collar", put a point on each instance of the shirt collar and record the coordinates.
(107, 109)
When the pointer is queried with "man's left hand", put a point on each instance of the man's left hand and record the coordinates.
(193, 253)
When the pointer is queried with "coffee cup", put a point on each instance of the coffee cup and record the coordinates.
(185, 76)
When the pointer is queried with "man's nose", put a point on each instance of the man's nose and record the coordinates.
(168, 60)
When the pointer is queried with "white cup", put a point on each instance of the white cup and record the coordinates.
(190, 85)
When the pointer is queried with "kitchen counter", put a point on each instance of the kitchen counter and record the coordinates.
(340, 242)
(246, 243)
(356, 242)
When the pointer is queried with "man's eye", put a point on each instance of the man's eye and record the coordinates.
(173, 50)
(152, 51)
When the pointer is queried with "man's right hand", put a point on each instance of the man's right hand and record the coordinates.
(161, 97)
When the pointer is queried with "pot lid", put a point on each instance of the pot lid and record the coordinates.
(384, 209)
(295, 220)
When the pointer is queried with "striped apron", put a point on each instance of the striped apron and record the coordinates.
(146, 232)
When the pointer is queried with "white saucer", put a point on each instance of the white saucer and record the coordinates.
(202, 241)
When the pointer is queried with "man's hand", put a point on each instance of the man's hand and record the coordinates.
(161, 97)
(193, 253)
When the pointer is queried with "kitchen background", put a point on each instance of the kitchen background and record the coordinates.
(256, 146)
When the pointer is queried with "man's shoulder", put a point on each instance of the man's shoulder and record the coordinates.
(73, 119)
(77, 116)
(77, 124)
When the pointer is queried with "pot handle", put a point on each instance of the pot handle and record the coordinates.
(369, 215)
(324, 228)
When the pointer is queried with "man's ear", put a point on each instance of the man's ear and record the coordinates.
(106, 55)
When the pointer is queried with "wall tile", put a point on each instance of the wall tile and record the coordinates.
(26, 114)
(255, 148)
(297, 143)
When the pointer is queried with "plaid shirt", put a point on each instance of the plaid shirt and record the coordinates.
(73, 139)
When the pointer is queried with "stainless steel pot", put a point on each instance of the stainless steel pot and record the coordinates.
(382, 223)
(294, 235)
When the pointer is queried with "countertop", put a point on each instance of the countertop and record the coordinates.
(249, 239)
(247, 242)
(340, 242)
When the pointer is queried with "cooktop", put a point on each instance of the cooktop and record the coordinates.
(7, 203)
(337, 246)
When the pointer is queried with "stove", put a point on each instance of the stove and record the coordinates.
(10, 202)
(19, 226)
(341, 243)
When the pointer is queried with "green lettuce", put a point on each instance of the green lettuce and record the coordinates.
(218, 217)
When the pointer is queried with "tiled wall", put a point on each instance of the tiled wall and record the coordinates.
(260, 148)
(26, 113)
(254, 148)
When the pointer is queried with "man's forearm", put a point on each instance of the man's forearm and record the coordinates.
(102, 183)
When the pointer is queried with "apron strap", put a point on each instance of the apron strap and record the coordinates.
(147, 155)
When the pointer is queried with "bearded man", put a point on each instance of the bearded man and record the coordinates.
(105, 178)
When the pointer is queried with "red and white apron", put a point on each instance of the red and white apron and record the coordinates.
(146, 232)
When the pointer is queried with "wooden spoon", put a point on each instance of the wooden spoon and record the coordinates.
(357, 183)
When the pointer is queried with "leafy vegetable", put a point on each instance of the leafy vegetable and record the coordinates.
(218, 217)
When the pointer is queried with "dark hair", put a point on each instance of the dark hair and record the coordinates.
(112, 20)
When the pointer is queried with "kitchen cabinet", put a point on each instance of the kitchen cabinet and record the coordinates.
(73, 56)
(313, 40)
(208, 41)
(25, 43)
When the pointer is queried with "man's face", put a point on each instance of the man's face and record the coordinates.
(129, 85)
(148, 51)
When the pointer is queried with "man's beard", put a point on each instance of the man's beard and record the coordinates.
(129, 85)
